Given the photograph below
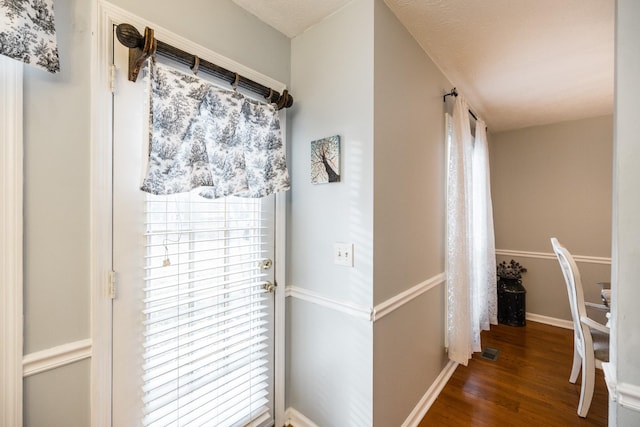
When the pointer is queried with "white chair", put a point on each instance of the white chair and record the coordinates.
(590, 338)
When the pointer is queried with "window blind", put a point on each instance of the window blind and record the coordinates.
(205, 313)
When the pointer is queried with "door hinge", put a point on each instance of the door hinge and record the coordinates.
(112, 78)
(112, 285)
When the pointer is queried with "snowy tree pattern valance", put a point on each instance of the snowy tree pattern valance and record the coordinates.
(211, 139)
(28, 34)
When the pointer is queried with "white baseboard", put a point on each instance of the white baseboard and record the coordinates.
(560, 323)
(296, 419)
(418, 413)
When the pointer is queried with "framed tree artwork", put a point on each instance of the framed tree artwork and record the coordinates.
(325, 160)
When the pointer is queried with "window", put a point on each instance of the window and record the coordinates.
(206, 318)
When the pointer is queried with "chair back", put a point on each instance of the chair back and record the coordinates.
(576, 296)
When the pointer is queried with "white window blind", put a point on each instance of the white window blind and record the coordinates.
(205, 312)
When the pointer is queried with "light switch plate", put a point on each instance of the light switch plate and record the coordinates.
(343, 254)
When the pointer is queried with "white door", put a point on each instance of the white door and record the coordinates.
(193, 340)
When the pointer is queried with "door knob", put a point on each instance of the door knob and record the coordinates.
(265, 264)
(269, 287)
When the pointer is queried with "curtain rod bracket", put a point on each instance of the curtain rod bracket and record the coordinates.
(142, 47)
(454, 92)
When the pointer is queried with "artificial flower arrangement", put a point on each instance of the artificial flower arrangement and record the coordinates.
(511, 271)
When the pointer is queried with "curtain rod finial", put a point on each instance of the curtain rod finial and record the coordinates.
(129, 36)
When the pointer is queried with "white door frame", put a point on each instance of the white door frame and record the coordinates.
(11, 274)
(106, 16)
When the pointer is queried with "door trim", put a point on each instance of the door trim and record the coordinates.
(11, 274)
(105, 17)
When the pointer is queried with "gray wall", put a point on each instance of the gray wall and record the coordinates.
(554, 180)
(409, 165)
(56, 188)
(626, 225)
(330, 353)
(332, 77)
(57, 178)
(59, 397)
(409, 160)
(56, 220)
(390, 204)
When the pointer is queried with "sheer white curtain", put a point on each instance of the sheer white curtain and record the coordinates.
(471, 275)
(484, 246)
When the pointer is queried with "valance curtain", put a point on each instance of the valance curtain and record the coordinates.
(471, 266)
(211, 139)
(27, 33)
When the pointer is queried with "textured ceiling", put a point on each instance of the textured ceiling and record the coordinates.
(291, 17)
(518, 63)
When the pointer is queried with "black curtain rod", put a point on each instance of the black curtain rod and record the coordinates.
(142, 47)
(454, 92)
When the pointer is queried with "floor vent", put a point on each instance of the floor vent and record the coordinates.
(490, 353)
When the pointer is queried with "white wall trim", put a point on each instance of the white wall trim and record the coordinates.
(553, 321)
(100, 215)
(55, 357)
(386, 307)
(550, 255)
(628, 395)
(354, 310)
(280, 349)
(11, 268)
(296, 419)
(366, 313)
(420, 410)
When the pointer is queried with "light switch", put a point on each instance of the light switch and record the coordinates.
(343, 254)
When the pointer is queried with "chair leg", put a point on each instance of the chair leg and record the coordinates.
(575, 369)
(586, 388)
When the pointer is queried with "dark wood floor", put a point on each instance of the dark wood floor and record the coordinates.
(527, 386)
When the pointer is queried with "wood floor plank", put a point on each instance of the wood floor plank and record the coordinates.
(527, 386)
